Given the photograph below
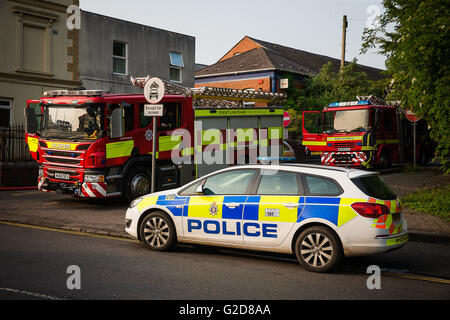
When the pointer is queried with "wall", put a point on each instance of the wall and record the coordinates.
(148, 53)
(34, 54)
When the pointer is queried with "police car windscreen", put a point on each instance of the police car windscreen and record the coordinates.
(375, 187)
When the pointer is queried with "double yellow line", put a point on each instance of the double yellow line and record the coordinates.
(78, 233)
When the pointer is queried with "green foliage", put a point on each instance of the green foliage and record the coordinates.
(433, 201)
(414, 36)
(333, 86)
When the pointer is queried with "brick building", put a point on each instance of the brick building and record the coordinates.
(259, 65)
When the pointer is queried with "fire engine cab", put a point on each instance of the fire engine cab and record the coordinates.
(364, 133)
(92, 144)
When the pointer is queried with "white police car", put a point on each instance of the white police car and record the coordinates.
(317, 213)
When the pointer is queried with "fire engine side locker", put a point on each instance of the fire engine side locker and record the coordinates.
(233, 125)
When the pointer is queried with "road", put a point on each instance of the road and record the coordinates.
(35, 262)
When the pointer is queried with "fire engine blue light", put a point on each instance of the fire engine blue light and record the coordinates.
(334, 104)
(359, 144)
(364, 102)
(330, 144)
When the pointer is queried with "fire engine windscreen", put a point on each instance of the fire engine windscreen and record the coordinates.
(346, 121)
(76, 123)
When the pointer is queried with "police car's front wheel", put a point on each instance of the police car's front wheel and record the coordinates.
(157, 232)
(318, 249)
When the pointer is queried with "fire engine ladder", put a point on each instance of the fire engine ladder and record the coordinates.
(216, 97)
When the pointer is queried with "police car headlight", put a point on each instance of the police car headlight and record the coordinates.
(92, 178)
(135, 202)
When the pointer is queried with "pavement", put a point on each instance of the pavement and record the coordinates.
(106, 217)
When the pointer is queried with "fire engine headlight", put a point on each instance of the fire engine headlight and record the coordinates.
(92, 178)
(135, 202)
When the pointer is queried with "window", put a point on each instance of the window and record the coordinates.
(5, 113)
(375, 187)
(120, 55)
(233, 182)
(278, 183)
(318, 186)
(176, 64)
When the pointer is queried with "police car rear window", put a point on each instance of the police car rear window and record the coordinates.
(375, 187)
(318, 186)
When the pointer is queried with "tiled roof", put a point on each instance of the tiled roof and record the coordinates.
(272, 56)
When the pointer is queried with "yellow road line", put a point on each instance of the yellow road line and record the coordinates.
(416, 277)
(78, 233)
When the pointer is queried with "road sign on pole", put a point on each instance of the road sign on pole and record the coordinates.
(286, 119)
(154, 92)
(411, 116)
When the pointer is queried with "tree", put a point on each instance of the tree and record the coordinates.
(414, 36)
(330, 86)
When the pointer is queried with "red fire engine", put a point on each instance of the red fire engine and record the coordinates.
(364, 133)
(92, 144)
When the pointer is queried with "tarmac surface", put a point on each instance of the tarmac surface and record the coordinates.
(106, 217)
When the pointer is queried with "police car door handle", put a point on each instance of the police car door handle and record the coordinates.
(232, 205)
(291, 205)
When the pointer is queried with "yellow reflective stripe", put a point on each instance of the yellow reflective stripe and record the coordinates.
(275, 133)
(399, 240)
(245, 134)
(276, 203)
(346, 212)
(187, 152)
(314, 143)
(169, 143)
(119, 149)
(33, 144)
(354, 138)
(372, 148)
(211, 136)
(199, 207)
(237, 112)
(146, 202)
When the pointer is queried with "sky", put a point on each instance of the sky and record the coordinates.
(310, 25)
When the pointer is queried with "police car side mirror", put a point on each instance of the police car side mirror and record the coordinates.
(199, 189)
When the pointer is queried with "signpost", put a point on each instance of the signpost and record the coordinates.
(411, 116)
(154, 92)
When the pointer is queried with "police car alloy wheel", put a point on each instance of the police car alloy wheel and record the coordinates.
(317, 249)
(157, 232)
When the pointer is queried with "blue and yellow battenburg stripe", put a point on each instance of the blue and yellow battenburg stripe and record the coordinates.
(254, 208)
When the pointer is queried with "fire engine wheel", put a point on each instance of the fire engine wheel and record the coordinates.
(157, 232)
(318, 249)
(137, 183)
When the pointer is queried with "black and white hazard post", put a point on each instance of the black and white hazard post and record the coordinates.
(154, 92)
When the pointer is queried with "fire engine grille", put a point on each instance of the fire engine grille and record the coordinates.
(63, 158)
(344, 144)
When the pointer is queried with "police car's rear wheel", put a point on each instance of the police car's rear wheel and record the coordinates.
(158, 232)
(318, 249)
